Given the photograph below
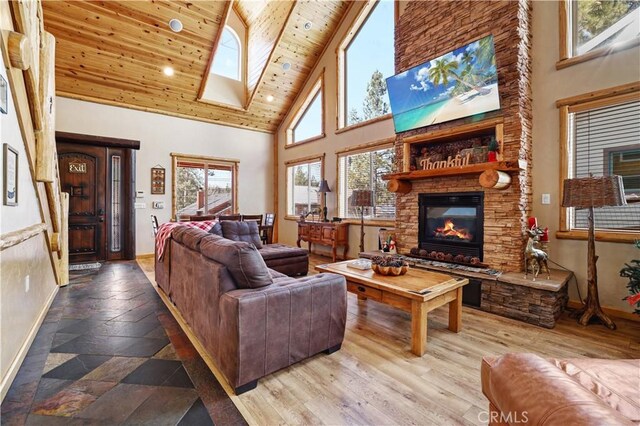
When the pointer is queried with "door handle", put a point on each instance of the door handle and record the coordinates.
(101, 219)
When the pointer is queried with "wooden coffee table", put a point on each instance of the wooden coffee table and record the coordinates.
(417, 292)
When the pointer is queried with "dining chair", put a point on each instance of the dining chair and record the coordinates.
(252, 217)
(154, 224)
(230, 217)
(266, 229)
(202, 217)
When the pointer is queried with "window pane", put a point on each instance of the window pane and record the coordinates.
(365, 171)
(303, 182)
(116, 204)
(310, 124)
(369, 59)
(607, 141)
(189, 188)
(227, 60)
(219, 191)
(385, 201)
(602, 23)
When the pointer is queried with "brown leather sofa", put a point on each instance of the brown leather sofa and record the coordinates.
(252, 320)
(527, 389)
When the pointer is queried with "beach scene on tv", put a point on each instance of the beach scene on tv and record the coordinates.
(455, 85)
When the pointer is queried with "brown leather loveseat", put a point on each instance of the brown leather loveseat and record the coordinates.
(527, 389)
(252, 320)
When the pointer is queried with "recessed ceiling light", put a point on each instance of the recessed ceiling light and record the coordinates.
(308, 25)
(270, 98)
(286, 66)
(175, 25)
(168, 71)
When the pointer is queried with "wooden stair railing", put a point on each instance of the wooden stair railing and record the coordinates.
(30, 52)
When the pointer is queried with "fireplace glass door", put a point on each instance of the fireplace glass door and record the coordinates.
(452, 224)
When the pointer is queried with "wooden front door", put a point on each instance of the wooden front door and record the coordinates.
(83, 176)
(100, 206)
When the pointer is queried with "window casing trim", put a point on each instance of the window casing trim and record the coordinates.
(233, 164)
(566, 16)
(598, 99)
(341, 86)
(296, 162)
(388, 143)
(316, 90)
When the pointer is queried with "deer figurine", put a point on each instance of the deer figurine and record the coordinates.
(533, 257)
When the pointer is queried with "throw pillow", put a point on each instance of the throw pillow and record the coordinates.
(242, 259)
(242, 231)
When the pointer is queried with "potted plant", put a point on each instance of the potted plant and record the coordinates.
(631, 270)
(493, 148)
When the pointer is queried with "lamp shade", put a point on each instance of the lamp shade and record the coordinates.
(599, 191)
(324, 187)
(362, 198)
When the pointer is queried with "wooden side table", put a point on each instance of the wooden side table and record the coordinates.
(325, 233)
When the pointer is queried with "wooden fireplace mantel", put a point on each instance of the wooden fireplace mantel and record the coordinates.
(401, 182)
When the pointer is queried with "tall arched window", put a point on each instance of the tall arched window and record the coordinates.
(227, 62)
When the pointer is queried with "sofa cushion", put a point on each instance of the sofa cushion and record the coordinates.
(241, 259)
(279, 251)
(216, 230)
(242, 231)
(189, 236)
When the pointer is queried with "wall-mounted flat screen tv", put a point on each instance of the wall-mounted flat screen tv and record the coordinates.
(458, 84)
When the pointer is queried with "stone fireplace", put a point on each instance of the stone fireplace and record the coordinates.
(425, 31)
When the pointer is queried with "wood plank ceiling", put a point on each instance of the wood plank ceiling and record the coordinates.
(114, 52)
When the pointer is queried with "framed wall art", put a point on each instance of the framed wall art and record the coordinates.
(10, 176)
(157, 180)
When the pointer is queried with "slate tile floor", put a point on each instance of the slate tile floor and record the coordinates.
(109, 352)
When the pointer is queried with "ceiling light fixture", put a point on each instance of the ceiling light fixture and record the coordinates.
(168, 71)
(286, 66)
(308, 25)
(175, 25)
(270, 98)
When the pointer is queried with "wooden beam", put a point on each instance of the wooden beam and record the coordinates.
(104, 141)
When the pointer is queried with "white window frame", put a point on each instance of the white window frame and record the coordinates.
(236, 37)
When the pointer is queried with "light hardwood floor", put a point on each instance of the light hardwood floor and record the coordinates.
(375, 379)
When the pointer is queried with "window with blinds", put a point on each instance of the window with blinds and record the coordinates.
(606, 141)
(364, 170)
(203, 187)
(303, 182)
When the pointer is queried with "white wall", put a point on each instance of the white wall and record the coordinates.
(159, 135)
(548, 86)
(27, 282)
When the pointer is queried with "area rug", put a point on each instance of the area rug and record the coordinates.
(85, 266)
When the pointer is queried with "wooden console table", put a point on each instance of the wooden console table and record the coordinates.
(325, 233)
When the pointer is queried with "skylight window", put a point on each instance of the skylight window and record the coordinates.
(227, 61)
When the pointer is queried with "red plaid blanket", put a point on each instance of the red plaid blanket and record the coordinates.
(165, 230)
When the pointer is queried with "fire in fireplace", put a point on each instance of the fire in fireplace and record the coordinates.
(452, 223)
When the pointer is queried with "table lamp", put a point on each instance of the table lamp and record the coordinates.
(362, 198)
(589, 193)
(324, 188)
